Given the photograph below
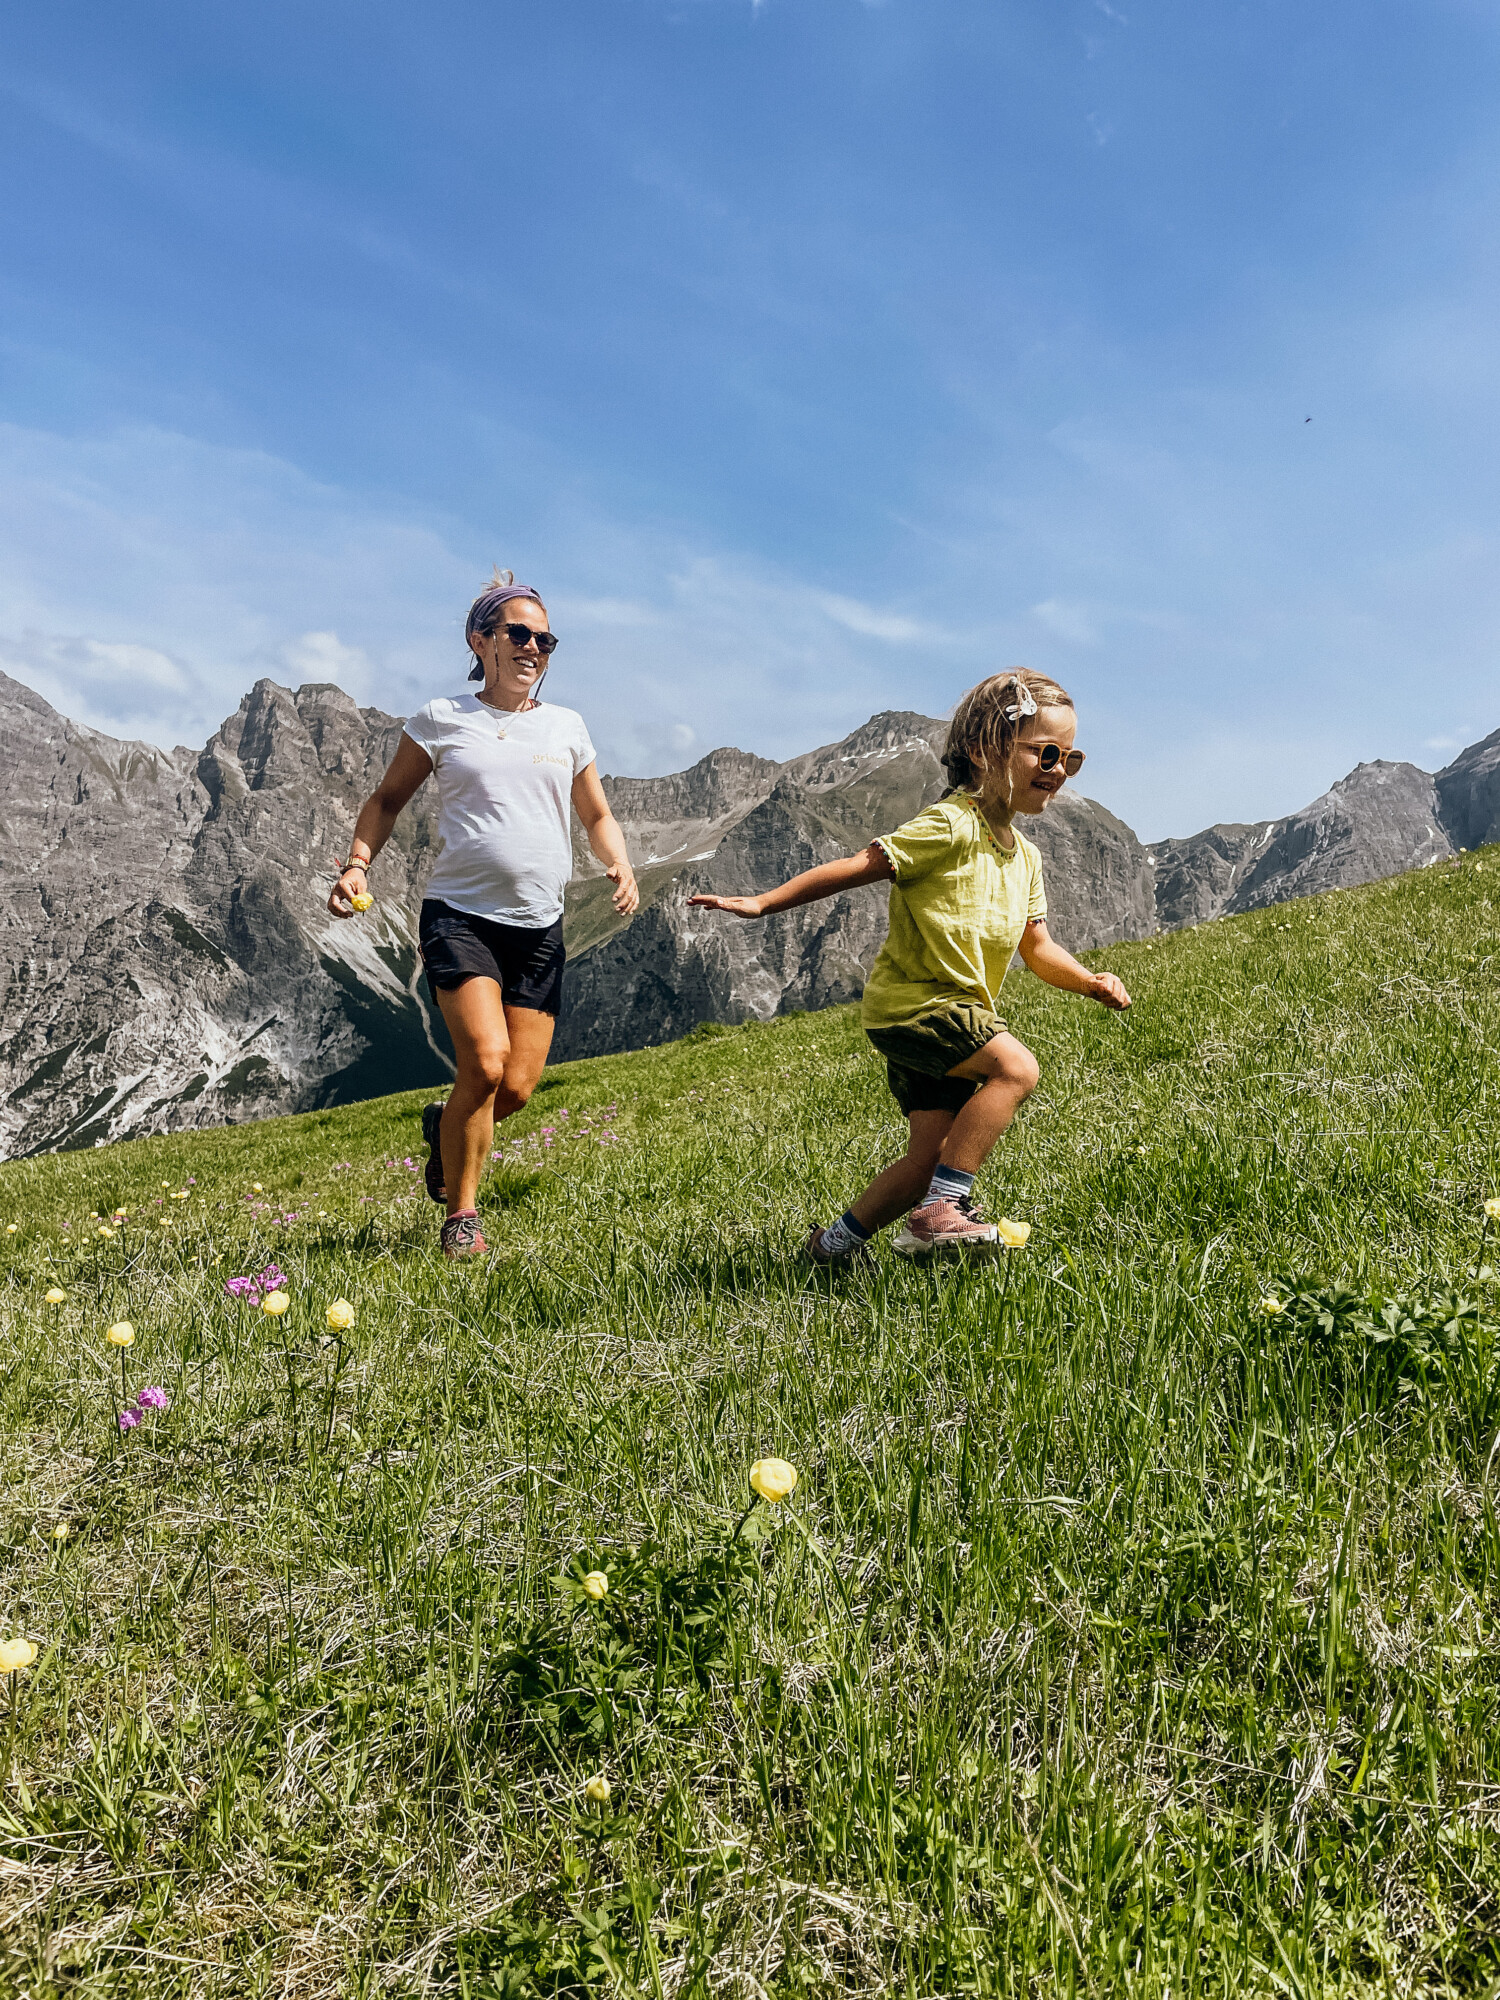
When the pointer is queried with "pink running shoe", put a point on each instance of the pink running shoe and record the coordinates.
(462, 1236)
(945, 1225)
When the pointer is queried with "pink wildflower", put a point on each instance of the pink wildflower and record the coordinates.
(129, 1419)
(153, 1399)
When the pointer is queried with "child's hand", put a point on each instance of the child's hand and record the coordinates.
(737, 906)
(1109, 991)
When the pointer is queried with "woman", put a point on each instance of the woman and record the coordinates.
(490, 931)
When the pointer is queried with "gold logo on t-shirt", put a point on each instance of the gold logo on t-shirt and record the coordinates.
(541, 757)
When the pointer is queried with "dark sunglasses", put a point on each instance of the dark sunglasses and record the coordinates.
(521, 635)
(1050, 755)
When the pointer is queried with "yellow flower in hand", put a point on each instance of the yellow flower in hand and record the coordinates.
(121, 1334)
(596, 1585)
(275, 1303)
(773, 1479)
(15, 1654)
(340, 1315)
(596, 1791)
(56, 1296)
(361, 903)
(1013, 1235)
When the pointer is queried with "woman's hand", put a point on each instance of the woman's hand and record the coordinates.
(627, 897)
(341, 902)
(737, 906)
(1110, 991)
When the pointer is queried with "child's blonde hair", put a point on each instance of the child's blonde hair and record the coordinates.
(988, 720)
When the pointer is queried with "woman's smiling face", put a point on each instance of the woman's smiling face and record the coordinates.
(512, 670)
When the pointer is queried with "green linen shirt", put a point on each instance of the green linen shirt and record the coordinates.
(958, 907)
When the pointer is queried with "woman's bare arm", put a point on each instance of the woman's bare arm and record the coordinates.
(606, 837)
(409, 768)
(810, 887)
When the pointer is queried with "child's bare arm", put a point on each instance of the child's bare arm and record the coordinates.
(1044, 956)
(809, 887)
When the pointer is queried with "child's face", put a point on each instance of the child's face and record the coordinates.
(1031, 788)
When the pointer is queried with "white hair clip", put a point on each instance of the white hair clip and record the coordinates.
(1019, 710)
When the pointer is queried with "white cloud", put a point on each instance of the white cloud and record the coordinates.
(322, 656)
(869, 622)
(105, 684)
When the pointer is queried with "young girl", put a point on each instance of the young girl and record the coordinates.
(966, 894)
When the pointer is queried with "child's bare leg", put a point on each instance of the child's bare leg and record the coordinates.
(1008, 1072)
(902, 1185)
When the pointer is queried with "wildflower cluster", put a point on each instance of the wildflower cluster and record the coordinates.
(271, 1279)
(148, 1399)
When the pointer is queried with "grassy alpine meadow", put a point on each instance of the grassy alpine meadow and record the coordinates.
(1131, 1628)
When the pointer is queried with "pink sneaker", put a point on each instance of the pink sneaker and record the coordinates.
(945, 1225)
(462, 1236)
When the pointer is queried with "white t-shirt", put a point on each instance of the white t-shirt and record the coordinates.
(504, 787)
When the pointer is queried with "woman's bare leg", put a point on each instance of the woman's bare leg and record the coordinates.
(475, 1015)
(501, 1053)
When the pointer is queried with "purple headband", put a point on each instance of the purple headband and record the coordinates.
(488, 602)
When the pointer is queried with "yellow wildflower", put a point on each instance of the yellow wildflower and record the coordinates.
(1492, 1208)
(596, 1585)
(121, 1334)
(1012, 1234)
(1271, 1306)
(275, 1303)
(104, 1230)
(773, 1479)
(596, 1791)
(15, 1654)
(360, 903)
(340, 1315)
(60, 1532)
(56, 1296)
(256, 1188)
(11, 1228)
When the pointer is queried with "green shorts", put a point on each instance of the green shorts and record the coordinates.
(918, 1055)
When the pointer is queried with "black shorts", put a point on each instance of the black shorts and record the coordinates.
(525, 963)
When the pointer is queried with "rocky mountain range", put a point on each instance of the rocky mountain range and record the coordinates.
(168, 959)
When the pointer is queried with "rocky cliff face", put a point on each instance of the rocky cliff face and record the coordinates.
(167, 959)
(164, 957)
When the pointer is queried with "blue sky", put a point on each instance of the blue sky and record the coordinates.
(814, 357)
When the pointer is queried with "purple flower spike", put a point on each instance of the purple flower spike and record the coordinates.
(129, 1419)
(153, 1399)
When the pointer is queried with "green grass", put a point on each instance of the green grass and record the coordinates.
(1120, 1637)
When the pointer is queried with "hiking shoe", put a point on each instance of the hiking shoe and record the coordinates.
(946, 1225)
(432, 1118)
(833, 1258)
(462, 1236)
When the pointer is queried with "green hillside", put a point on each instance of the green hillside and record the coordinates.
(1120, 1636)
